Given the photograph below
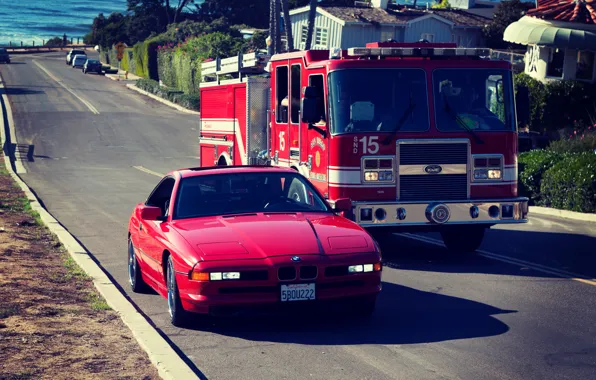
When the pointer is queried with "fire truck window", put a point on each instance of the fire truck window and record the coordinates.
(296, 85)
(281, 78)
(317, 82)
(480, 100)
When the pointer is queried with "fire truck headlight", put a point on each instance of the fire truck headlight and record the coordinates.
(371, 176)
(494, 174)
(385, 176)
(481, 174)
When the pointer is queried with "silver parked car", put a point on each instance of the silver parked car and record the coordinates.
(79, 60)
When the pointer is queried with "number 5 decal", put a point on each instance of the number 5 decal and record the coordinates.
(370, 147)
(282, 141)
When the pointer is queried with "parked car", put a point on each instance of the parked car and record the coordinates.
(92, 65)
(79, 60)
(4, 57)
(72, 53)
(210, 239)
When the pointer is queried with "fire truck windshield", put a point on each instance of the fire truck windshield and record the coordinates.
(378, 100)
(473, 99)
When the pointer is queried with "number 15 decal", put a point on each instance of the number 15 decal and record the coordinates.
(370, 144)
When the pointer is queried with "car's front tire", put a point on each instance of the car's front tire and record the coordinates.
(178, 316)
(135, 278)
(463, 240)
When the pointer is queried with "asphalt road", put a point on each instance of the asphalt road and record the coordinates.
(515, 310)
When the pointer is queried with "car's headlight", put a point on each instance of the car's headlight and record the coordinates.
(217, 276)
(371, 176)
(488, 174)
(384, 175)
(366, 268)
(494, 174)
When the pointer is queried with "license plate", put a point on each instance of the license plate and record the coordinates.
(297, 292)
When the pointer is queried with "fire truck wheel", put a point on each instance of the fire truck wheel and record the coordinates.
(463, 240)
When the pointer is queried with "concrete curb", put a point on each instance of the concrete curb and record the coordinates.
(168, 363)
(161, 100)
(562, 214)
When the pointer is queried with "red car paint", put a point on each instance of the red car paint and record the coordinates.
(261, 241)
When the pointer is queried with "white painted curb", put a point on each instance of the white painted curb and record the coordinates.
(168, 363)
(584, 217)
(166, 102)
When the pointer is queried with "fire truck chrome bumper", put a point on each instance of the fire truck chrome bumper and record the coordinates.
(480, 211)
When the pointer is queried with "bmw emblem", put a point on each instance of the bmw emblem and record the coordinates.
(296, 258)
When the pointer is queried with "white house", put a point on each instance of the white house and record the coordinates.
(357, 25)
(561, 40)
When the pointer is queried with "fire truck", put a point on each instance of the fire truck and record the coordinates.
(419, 136)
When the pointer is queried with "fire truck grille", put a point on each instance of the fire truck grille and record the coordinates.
(433, 187)
(429, 154)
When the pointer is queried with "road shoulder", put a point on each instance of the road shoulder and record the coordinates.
(163, 356)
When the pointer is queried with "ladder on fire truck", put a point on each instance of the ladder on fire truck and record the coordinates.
(240, 66)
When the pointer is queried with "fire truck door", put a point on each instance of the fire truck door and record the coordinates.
(317, 141)
(294, 139)
(281, 99)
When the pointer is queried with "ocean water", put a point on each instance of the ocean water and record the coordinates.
(38, 20)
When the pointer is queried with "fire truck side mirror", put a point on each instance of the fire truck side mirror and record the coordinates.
(308, 111)
(343, 205)
(522, 105)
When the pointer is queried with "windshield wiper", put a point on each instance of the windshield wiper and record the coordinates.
(401, 121)
(462, 123)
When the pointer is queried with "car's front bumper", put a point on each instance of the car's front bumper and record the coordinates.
(436, 213)
(205, 296)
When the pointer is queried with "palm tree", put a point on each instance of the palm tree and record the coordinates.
(287, 25)
(270, 47)
(311, 23)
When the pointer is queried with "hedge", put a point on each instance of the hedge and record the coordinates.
(570, 184)
(179, 70)
(559, 104)
(190, 101)
(532, 166)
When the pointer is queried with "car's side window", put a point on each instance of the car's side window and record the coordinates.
(161, 195)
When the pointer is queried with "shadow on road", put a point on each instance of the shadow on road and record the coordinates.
(13, 91)
(563, 251)
(17, 63)
(403, 316)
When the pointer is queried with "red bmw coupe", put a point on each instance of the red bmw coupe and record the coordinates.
(246, 236)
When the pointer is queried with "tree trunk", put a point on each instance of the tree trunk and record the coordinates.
(312, 12)
(287, 25)
(277, 39)
(271, 26)
(168, 12)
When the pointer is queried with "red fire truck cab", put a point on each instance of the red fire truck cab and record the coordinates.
(418, 136)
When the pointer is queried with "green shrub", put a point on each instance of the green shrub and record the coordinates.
(570, 184)
(190, 101)
(532, 166)
(575, 144)
(148, 85)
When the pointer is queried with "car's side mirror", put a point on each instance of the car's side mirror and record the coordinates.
(343, 205)
(151, 213)
(308, 111)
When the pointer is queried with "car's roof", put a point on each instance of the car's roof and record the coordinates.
(80, 56)
(195, 172)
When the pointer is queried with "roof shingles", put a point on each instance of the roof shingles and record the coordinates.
(402, 16)
(580, 11)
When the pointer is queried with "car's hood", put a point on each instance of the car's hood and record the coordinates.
(258, 236)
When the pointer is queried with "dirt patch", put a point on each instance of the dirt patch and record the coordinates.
(53, 323)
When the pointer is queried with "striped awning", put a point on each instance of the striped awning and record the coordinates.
(528, 31)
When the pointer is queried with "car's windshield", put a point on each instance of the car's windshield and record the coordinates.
(92, 61)
(477, 99)
(239, 193)
(75, 52)
(372, 100)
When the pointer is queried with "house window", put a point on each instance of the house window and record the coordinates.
(427, 36)
(321, 36)
(303, 34)
(556, 61)
(387, 35)
(585, 65)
